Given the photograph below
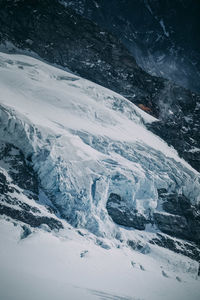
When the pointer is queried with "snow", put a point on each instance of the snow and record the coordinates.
(86, 142)
(194, 149)
(47, 266)
(164, 28)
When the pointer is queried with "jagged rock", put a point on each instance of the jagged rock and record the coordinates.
(21, 182)
(159, 44)
(182, 219)
(29, 218)
(189, 249)
(20, 172)
(122, 215)
(176, 204)
(182, 132)
(172, 224)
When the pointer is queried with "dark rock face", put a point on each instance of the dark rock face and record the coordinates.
(177, 204)
(181, 130)
(179, 219)
(163, 36)
(60, 36)
(180, 225)
(18, 181)
(179, 246)
(121, 214)
(172, 225)
(29, 218)
(182, 219)
(22, 175)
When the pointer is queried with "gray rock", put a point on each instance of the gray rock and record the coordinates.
(172, 224)
(182, 219)
(121, 214)
(190, 249)
(22, 181)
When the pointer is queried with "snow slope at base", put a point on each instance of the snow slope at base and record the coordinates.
(48, 266)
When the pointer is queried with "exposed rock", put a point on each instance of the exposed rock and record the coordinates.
(122, 215)
(189, 249)
(26, 232)
(20, 172)
(182, 132)
(182, 218)
(18, 182)
(164, 274)
(139, 246)
(29, 218)
(172, 224)
(159, 44)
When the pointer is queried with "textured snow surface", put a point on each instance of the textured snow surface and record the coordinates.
(86, 142)
(69, 266)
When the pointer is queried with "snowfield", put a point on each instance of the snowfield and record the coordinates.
(68, 266)
(86, 142)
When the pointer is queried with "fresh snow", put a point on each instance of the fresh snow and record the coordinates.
(47, 266)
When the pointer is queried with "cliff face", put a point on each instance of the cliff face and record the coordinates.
(163, 36)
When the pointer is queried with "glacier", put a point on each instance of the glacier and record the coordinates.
(86, 142)
(91, 152)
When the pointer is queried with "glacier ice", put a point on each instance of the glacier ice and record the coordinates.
(85, 143)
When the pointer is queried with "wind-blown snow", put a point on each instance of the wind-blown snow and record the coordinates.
(86, 142)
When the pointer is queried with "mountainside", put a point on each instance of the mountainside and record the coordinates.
(60, 36)
(163, 36)
(99, 160)
(74, 151)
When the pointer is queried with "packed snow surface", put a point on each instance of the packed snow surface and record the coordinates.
(45, 266)
(86, 142)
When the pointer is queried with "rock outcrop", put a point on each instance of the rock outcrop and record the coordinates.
(19, 189)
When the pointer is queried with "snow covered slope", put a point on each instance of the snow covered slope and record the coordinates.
(104, 172)
(45, 266)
